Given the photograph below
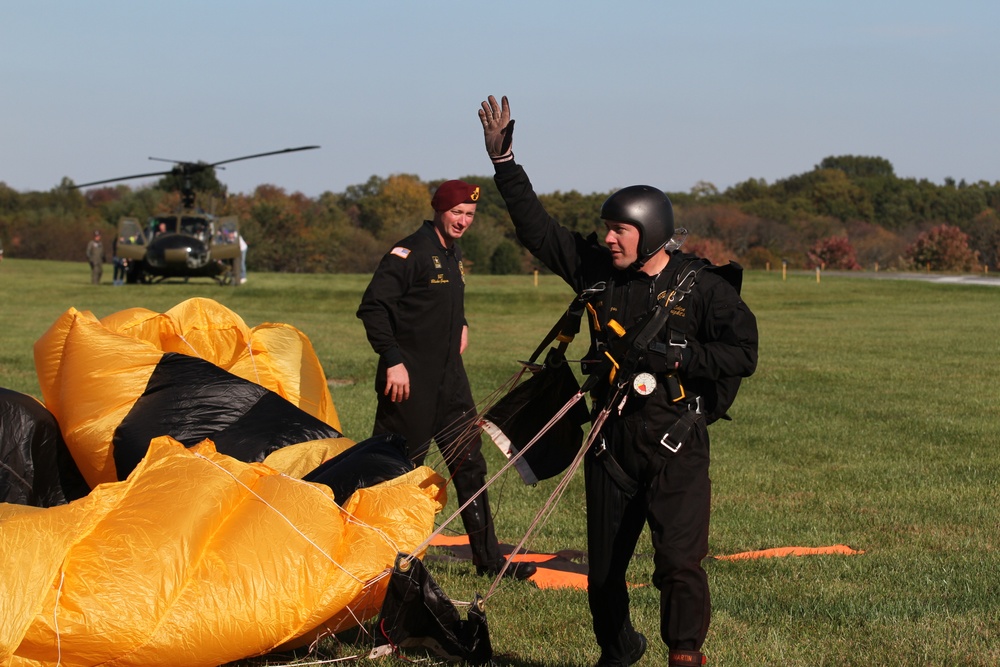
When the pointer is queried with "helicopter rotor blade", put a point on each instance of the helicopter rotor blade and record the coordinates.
(247, 157)
(122, 178)
(185, 168)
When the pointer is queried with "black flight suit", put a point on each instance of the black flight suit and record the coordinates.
(670, 490)
(413, 312)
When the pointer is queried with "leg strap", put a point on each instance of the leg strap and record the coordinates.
(687, 659)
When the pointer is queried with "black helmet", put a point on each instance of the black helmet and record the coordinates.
(649, 210)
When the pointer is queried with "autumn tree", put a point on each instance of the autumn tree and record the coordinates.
(835, 252)
(875, 245)
(984, 236)
(713, 250)
(943, 248)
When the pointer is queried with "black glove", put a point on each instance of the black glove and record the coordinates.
(498, 129)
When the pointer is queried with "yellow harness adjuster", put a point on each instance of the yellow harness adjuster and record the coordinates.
(614, 367)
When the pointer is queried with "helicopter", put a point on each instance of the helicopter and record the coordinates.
(187, 244)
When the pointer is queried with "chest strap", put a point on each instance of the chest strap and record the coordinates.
(628, 349)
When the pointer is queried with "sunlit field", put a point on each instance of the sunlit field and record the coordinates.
(872, 422)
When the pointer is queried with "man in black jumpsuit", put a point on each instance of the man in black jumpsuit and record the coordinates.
(414, 316)
(651, 459)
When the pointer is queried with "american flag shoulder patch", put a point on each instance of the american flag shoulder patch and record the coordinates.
(400, 251)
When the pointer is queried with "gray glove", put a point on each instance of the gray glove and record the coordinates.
(498, 129)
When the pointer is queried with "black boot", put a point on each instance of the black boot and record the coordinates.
(478, 522)
(633, 656)
(515, 570)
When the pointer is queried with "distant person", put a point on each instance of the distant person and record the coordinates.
(243, 258)
(95, 256)
(414, 316)
(119, 263)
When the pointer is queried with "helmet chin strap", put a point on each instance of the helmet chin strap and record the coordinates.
(641, 261)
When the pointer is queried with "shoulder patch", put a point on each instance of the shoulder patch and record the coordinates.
(400, 251)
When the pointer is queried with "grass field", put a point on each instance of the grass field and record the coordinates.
(873, 421)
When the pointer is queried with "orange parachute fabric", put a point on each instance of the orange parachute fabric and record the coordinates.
(782, 552)
(200, 559)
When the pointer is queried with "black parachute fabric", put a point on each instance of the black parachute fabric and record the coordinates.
(191, 399)
(35, 466)
(417, 614)
(519, 416)
(371, 461)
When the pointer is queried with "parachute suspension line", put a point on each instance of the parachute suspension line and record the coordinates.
(545, 512)
(253, 360)
(331, 661)
(55, 616)
(468, 428)
(464, 424)
(514, 459)
(349, 518)
(193, 350)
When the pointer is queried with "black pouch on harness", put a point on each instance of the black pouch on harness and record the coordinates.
(515, 420)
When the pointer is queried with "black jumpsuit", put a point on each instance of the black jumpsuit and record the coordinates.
(670, 490)
(413, 312)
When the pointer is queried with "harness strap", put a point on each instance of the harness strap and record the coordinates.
(568, 325)
(621, 478)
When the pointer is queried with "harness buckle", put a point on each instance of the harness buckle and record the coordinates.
(671, 447)
(600, 447)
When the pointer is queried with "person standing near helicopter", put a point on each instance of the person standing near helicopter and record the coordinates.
(670, 338)
(95, 256)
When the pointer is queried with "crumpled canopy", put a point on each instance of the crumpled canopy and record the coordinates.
(200, 559)
(34, 462)
(182, 554)
(194, 372)
(276, 356)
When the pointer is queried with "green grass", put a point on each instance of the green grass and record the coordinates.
(872, 421)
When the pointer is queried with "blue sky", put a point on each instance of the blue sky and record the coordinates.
(605, 94)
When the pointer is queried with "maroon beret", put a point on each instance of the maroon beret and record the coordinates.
(453, 193)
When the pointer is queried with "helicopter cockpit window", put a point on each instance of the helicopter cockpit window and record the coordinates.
(164, 225)
(130, 232)
(227, 231)
(197, 227)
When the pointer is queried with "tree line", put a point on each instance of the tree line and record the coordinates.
(848, 212)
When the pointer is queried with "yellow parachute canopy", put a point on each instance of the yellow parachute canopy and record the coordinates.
(196, 557)
(92, 372)
(199, 559)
